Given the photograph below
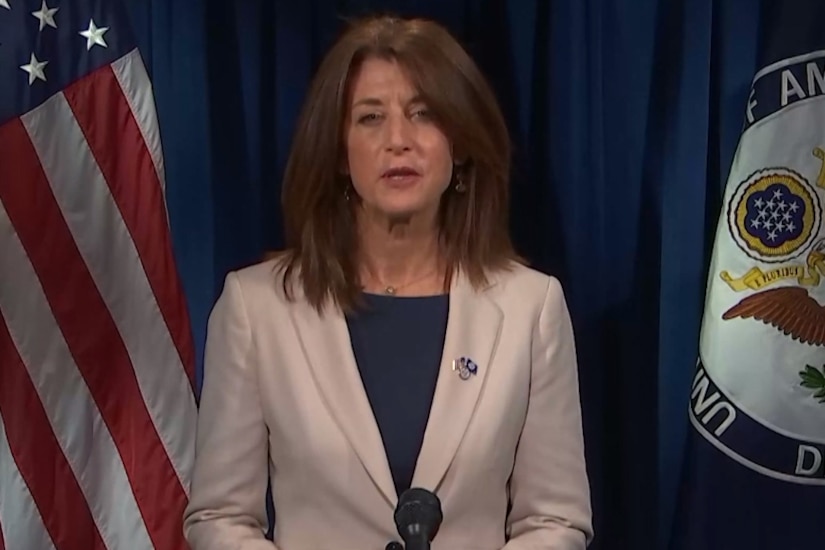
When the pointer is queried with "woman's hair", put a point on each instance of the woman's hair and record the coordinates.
(319, 215)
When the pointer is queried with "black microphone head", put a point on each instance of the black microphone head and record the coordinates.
(418, 515)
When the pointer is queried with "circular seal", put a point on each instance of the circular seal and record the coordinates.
(774, 215)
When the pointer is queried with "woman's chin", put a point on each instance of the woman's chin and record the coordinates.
(400, 215)
(400, 212)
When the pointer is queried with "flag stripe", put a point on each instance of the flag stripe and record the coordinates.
(100, 353)
(74, 417)
(113, 262)
(137, 89)
(21, 519)
(2, 539)
(39, 458)
(117, 143)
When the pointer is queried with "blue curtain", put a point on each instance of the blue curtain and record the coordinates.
(625, 115)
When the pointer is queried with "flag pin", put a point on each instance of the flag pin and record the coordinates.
(465, 367)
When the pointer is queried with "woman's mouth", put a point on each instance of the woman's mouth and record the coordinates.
(401, 176)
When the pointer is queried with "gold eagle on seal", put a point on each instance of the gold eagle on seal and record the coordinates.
(791, 310)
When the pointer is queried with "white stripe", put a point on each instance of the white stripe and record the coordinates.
(22, 524)
(137, 88)
(78, 426)
(106, 245)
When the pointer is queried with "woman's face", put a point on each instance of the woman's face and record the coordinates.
(399, 161)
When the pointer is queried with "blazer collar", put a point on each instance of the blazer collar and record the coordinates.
(472, 331)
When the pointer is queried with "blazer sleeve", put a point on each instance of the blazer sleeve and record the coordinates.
(226, 509)
(549, 488)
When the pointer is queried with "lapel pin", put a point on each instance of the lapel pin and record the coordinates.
(465, 367)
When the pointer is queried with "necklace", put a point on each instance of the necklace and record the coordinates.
(393, 289)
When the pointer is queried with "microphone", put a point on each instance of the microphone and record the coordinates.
(418, 517)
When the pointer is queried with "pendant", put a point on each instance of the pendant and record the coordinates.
(390, 290)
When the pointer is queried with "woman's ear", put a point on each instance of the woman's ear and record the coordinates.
(343, 166)
(459, 156)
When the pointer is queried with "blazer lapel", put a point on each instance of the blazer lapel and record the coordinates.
(326, 343)
(472, 331)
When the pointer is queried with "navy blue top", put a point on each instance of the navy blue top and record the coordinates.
(397, 343)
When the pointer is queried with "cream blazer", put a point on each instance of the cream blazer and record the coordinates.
(282, 396)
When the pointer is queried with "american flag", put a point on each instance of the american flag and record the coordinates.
(97, 408)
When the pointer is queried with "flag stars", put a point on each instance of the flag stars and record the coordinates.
(94, 35)
(5, 4)
(46, 16)
(35, 69)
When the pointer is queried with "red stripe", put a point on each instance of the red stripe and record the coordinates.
(2, 544)
(117, 144)
(38, 455)
(91, 335)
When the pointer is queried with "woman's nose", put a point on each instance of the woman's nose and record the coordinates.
(399, 135)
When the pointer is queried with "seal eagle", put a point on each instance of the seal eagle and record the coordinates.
(790, 310)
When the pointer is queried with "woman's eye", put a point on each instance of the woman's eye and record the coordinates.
(370, 117)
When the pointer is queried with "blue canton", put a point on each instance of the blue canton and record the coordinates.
(45, 45)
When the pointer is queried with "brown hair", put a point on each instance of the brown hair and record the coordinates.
(319, 220)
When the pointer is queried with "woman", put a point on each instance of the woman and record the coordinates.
(398, 342)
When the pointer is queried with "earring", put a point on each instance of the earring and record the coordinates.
(460, 186)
